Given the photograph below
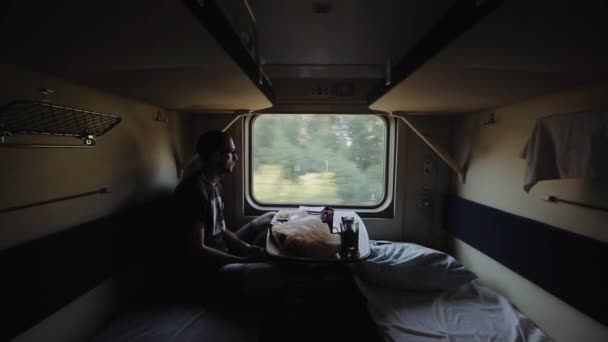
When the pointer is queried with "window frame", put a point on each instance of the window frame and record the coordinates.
(383, 209)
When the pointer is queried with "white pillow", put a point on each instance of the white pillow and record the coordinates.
(407, 266)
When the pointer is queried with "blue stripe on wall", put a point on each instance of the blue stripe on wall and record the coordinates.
(41, 276)
(567, 265)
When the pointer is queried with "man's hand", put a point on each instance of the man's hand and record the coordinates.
(256, 253)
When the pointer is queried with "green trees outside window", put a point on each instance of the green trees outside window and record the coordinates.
(319, 159)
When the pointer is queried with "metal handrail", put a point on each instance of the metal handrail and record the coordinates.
(54, 200)
(555, 199)
(436, 148)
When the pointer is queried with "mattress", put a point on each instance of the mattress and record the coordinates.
(221, 323)
(470, 312)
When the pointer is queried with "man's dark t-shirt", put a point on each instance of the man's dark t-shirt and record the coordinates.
(196, 198)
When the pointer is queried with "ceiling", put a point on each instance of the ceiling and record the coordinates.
(157, 52)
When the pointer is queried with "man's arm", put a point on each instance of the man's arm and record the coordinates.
(236, 243)
(199, 251)
(252, 253)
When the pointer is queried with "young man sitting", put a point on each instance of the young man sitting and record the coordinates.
(200, 211)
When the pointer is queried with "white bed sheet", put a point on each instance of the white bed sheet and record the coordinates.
(471, 312)
(181, 323)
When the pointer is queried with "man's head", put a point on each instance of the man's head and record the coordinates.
(217, 152)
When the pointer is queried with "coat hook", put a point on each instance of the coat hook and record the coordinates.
(161, 118)
(489, 120)
(387, 72)
(45, 94)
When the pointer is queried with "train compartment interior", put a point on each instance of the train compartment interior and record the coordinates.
(469, 137)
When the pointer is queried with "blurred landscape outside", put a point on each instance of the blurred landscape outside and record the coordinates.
(319, 159)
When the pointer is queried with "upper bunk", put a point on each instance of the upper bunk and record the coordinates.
(312, 56)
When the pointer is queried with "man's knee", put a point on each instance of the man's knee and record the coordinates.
(263, 221)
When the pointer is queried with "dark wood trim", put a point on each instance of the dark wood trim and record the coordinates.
(463, 15)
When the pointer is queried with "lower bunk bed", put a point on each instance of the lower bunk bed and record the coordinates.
(181, 322)
(402, 292)
(416, 293)
(296, 303)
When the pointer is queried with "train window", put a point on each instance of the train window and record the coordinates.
(323, 159)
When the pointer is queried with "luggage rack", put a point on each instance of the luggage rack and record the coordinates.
(44, 118)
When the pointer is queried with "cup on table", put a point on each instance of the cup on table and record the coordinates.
(350, 237)
(327, 216)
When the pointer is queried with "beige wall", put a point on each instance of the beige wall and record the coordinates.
(495, 178)
(135, 161)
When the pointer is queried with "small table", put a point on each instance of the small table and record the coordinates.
(274, 251)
